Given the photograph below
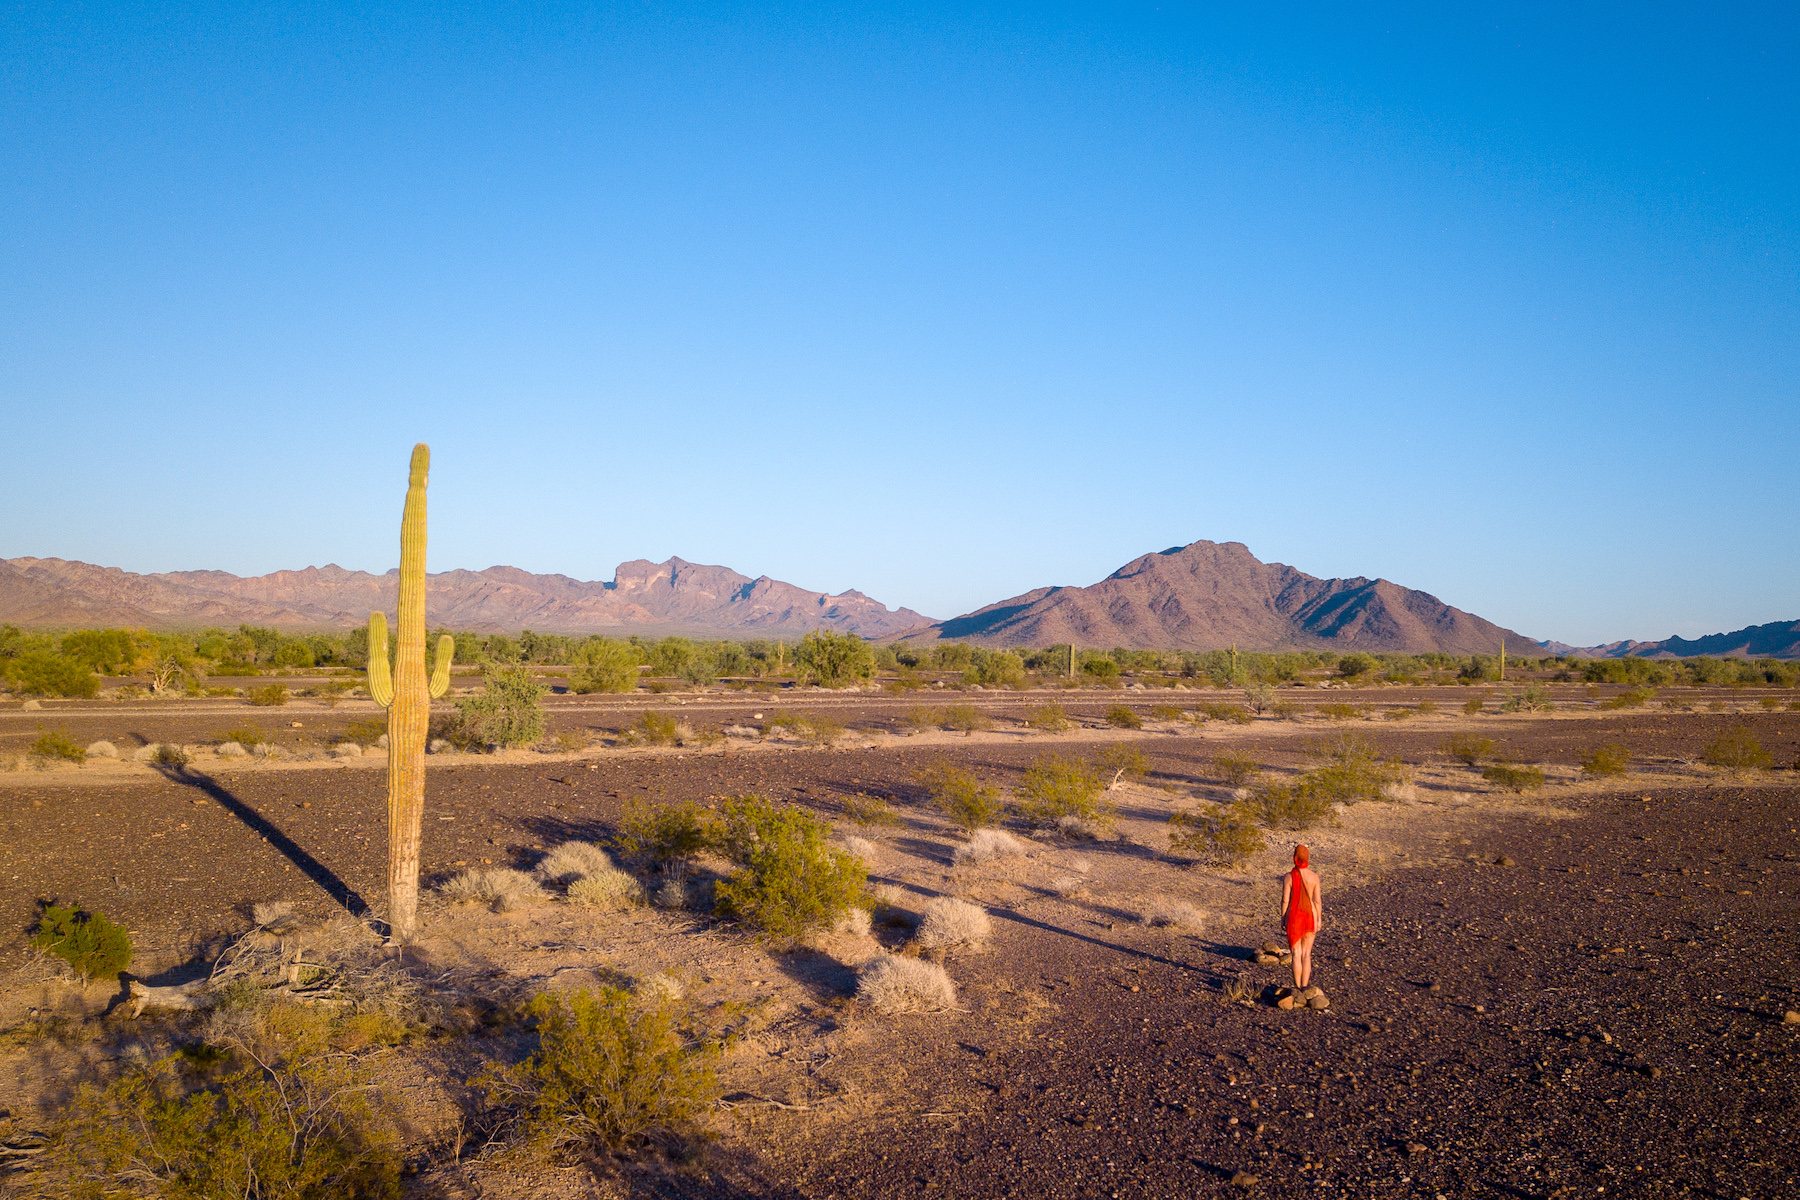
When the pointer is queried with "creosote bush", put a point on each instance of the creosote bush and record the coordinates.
(811, 727)
(93, 945)
(1472, 705)
(609, 1072)
(834, 659)
(790, 881)
(1608, 760)
(668, 836)
(54, 743)
(609, 666)
(1055, 787)
(1047, 718)
(272, 696)
(1736, 750)
(1469, 748)
(657, 729)
(509, 711)
(965, 800)
(1224, 836)
(1218, 710)
(1235, 770)
(1514, 779)
(1122, 762)
(872, 812)
(1121, 717)
(249, 736)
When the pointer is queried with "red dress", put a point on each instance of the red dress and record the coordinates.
(1300, 920)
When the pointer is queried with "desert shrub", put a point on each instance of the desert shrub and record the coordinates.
(362, 729)
(1172, 914)
(834, 659)
(964, 718)
(608, 887)
(1166, 712)
(308, 1128)
(246, 736)
(1055, 787)
(1259, 697)
(1047, 718)
(891, 984)
(789, 879)
(1127, 762)
(1425, 707)
(1514, 779)
(1120, 717)
(1352, 665)
(102, 749)
(272, 696)
(1226, 836)
(608, 1072)
(995, 668)
(1736, 750)
(572, 741)
(811, 727)
(657, 729)
(948, 922)
(54, 743)
(43, 673)
(1532, 699)
(669, 836)
(1469, 748)
(1287, 806)
(90, 943)
(986, 844)
(168, 754)
(1611, 759)
(1343, 712)
(502, 887)
(1351, 773)
(872, 812)
(1472, 705)
(1631, 698)
(1217, 710)
(1236, 770)
(1285, 710)
(920, 719)
(965, 800)
(508, 711)
(1098, 665)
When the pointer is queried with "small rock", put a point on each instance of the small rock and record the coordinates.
(31, 706)
(1790, 1017)
(1434, 989)
(1307, 993)
(1286, 1003)
(1504, 861)
(296, 725)
(1266, 960)
(1319, 1003)
(1273, 947)
(1414, 1148)
(1243, 1179)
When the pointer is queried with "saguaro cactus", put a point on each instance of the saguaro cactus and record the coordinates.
(407, 695)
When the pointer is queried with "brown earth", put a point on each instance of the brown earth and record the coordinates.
(1097, 1055)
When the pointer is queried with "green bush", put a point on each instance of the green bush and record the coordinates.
(1056, 787)
(965, 800)
(168, 754)
(607, 1074)
(789, 880)
(1259, 697)
(307, 1130)
(43, 673)
(1223, 837)
(834, 659)
(249, 735)
(1532, 699)
(509, 711)
(1736, 750)
(1352, 665)
(1343, 712)
(1120, 717)
(606, 666)
(1047, 718)
(1350, 774)
(55, 743)
(1515, 779)
(658, 729)
(1284, 806)
(872, 812)
(1099, 666)
(1236, 770)
(364, 729)
(1216, 710)
(1469, 748)
(1631, 698)
(88, 942)
(995, 668)
(1472, 705)
(964, 718)
(668, 835)
(272, 696)
(812, 727)
(1611, 759)
(1119, 761)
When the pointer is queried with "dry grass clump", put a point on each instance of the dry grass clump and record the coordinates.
(502, 887)
(948, 922)
(891, 984)
(571, 861)
(1068, 887)
(1164, 913)
(607, 888)
(862, 847)
(987, 844)
(855, 921)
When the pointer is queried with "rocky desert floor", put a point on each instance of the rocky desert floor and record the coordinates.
(1575, 991)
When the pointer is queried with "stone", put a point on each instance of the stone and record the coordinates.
(31, 706)
(1287, 1003)
(1311, 990)
(1266, 960)
(1790, 1017)
(1243, 1179)
(1318, 1003)
(1504, 861)
(1414, 1148)
(1273, 947)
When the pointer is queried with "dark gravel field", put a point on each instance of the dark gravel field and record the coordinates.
(1603, 1017)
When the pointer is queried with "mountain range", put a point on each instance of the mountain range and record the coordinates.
(1202, 596)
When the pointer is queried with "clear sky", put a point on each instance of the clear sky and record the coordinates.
(938, 303)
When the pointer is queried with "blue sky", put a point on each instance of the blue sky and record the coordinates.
(938, 303)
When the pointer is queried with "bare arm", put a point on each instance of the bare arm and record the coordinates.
(1287, 893)
(1318, 903)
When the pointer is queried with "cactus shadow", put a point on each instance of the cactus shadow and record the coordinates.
(322, 875)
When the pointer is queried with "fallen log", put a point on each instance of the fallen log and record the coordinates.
(186, 997)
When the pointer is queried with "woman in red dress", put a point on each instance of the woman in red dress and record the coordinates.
(1303, 913)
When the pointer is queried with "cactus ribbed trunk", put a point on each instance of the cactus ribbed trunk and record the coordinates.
(409, 714)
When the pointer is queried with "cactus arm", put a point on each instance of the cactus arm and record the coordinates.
(381, 683)
(440, 672)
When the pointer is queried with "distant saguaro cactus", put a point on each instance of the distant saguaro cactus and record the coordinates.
(407, 695)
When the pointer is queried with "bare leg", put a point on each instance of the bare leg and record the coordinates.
(1303, 961)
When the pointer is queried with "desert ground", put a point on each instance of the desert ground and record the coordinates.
(1576, 990)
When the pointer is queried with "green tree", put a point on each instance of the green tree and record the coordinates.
(606, 666)
(835, 659)
(508, 712)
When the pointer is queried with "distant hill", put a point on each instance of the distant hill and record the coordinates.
(1210, 595)
(643, 597)
(1777, 639)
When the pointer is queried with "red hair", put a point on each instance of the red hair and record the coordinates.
(1300, 855)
